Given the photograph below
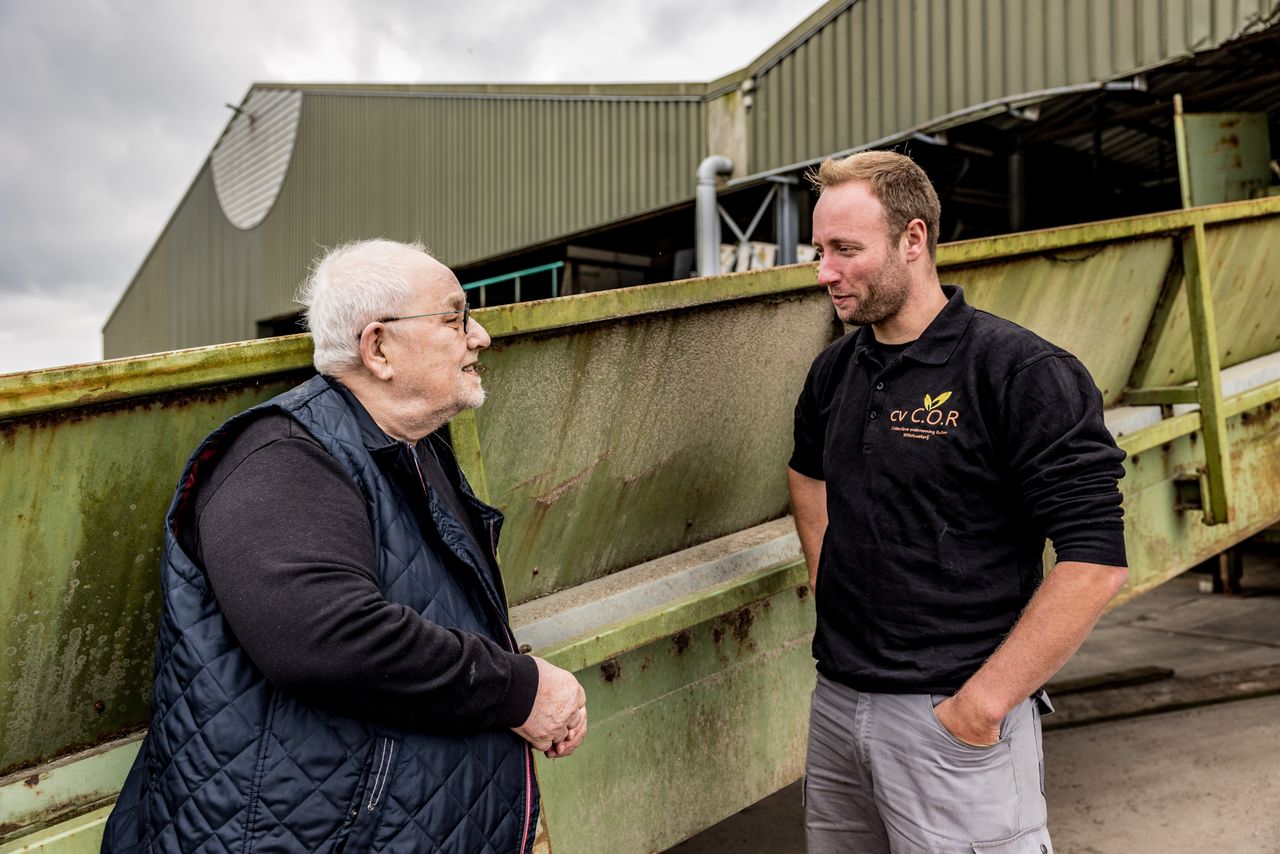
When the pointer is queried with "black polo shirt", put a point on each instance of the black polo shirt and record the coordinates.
(947, 463)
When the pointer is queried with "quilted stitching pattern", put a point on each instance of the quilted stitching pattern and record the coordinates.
(233, 764)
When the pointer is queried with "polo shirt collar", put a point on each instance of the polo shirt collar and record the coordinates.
(939, 339)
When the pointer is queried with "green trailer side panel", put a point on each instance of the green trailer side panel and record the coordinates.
(1244, 267)
(642, 436)
(686, 730)
(82, 499)
(1094, 301)
(1161, 541)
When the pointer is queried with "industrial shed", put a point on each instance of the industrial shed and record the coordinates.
(1026, 113)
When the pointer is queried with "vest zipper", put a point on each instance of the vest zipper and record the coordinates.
(511, 643)
(382, 775)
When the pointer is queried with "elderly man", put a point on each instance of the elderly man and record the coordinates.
(935, 449)
(335, 669)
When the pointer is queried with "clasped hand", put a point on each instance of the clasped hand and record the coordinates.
(558, 721)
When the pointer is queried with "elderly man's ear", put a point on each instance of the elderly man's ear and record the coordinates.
(371, 352)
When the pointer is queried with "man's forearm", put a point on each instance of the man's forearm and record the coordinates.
(809, 504)
(1054, 624)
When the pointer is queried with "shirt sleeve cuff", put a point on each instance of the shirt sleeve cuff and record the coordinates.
(521, 690)
(806, 467)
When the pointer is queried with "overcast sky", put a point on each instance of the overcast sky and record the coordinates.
(109, 107)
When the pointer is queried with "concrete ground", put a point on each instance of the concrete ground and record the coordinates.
(1186, 761)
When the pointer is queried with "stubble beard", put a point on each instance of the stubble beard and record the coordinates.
(887, 293)
(472, 397)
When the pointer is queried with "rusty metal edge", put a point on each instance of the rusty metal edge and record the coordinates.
(124, 379)
(93, 383)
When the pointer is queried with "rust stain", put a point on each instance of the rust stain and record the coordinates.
(802, 592)
(681, 640)
(542, 842)
(741, 622)
(32, 781)
(558, 491)
(649, 471)
(610, 669)
(717, 634)
(527, 482)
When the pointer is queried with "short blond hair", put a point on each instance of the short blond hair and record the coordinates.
(903, 190)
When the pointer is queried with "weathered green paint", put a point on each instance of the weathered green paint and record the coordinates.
(1008, 246)
(82, 496)
(686, 730)
(67, 787)
(1159, 320)
(81, 834)
(1204, 344)
(582, 652)
(653, 433)
(535, 316)
(1189, 422)
(1243, 262)
(1183, 152)
(145, 376)
(1161, 396)
(621, 426)
(1162, 542)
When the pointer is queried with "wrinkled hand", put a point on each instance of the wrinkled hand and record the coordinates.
(558, 721)
(967, 724)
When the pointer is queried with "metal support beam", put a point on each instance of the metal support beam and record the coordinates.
(1162, 396)
(1159, 319)
(1204, 344)
(1017, 189)
(786, 219)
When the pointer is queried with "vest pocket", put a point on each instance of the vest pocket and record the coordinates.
(364, 810)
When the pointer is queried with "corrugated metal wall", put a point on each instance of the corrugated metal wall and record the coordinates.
(195, 286)
(881, 67)
(473, 177)
(475, 172)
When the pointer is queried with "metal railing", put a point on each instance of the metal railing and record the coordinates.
(483, 284)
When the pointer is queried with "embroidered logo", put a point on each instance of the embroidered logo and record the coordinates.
(926, 421)
(935, 402)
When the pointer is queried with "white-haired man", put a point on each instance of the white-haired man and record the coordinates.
(335, 669)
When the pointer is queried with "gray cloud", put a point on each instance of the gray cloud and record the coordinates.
(110, 108)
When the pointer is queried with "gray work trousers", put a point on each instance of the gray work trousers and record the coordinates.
(883, 775)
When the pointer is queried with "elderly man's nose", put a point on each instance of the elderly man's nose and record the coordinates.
(477, 335)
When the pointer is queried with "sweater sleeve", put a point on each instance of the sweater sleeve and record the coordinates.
(287, 544)
(1064, 459)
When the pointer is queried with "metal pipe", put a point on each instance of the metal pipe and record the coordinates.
(707, 228)
(786, 220)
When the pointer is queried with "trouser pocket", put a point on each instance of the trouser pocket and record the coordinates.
(1034, 840)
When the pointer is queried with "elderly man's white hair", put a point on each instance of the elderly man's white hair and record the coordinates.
(350, 287)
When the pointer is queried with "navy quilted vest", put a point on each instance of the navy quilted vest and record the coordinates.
(232, 763)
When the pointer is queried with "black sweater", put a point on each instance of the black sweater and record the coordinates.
(285, 538)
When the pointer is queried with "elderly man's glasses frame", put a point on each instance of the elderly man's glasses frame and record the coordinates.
(465, 312)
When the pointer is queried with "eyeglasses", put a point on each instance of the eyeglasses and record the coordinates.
(466, 316)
